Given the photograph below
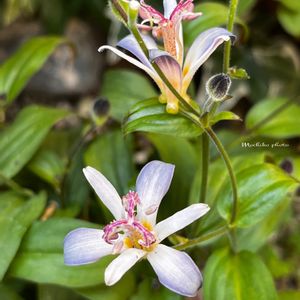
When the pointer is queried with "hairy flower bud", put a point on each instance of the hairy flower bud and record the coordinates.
(133, 11)
(100, 111)
(218, 86)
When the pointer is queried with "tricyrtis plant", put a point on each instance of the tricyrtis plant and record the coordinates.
(155, 44)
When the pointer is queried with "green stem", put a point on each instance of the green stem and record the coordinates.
(205, 166)
(230, 24)
(204, 238)
(227, 161)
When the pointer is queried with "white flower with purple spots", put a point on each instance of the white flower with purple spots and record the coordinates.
(134, 234)
(179, 70)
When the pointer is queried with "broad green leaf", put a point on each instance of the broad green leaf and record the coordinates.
(245, 5)
(120, 291)
(224, 116)
(7, 293)
(16, 215)
(18, 69)
(48, 166)
(151, 116)
(123, 89)
(148, 291)
(240, 276)
(216, 179)
(50, 292)
(256, 236)
(182, 154)
(260, 188)
(290, 20)
(284, 124)
(111, 154)
(19, 141)
(213, 14)
(291, 4)
(40, 258)
(289, 295)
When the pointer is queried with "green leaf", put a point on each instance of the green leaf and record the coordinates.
(123, 89)
(48, 166)
(120, 291)
(148, 291)
(240, 73)
(291, 4)
(224, 115)
(18, 69)
(214, 14)
(111, 154)
(7, 293)
(245, 5)
(289, 295)
(260, 188)
(150, 116)
(16, 215)
(40, 258)
(284, 124)
(216, 179)
(19, 142)
(290, 20)
(240, 276)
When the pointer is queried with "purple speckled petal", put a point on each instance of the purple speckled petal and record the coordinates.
(84, 246)
(169, 66)
(180, 220)
(204, 45)
(175, 270)
(152, 184)
(105, 191)
(120, 265)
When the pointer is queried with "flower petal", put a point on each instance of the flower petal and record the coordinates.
(133, 61)
(105, 191)
(130, 44)
(169, 7)
(169, 66)
(204, 45)
(120, 265)
(175, 270)
(180, 220)
(84, 246)
(152, 184)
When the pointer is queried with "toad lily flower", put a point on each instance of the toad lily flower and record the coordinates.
(134, 234)
(177, 70)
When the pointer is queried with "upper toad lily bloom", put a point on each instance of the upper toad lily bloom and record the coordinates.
(134, 234)
(177, 70)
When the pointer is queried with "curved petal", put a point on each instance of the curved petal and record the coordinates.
(169, 7)
(175, 270)
(180, 220)
(204, 45)
(130, 44)
(152, 184)
(169, 66)
(85, 245)
(133, 61)
(120, 265)
(105, 191)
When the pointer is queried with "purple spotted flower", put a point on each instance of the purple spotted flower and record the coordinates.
(134, 234)
(179, 70)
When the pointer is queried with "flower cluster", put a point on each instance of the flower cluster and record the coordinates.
(170, 60)
(134, 234)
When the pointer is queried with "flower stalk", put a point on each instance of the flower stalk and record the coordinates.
(227, 48)
(204, 166)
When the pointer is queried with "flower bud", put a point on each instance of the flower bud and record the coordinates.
(100, 111)
(218, 86)
(133, 12)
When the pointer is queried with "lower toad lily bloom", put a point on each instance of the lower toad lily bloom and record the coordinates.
(135, 235)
